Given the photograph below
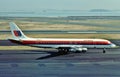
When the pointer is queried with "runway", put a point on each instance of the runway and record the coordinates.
(92, 55)
(39, 63)
(47, 63)
(46, 69)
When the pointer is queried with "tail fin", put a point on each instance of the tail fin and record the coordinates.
(16, 31)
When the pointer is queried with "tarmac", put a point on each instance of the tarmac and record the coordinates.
(48, 63)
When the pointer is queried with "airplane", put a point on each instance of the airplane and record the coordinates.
(61, 44)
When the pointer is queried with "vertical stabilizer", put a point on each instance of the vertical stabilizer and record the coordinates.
(16, 31)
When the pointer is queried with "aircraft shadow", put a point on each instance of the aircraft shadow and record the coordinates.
(52, 54)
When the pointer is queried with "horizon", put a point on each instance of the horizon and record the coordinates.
(29, 5)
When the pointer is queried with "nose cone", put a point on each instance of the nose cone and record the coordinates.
(113, 45)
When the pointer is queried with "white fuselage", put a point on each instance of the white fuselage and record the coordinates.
(55, 43)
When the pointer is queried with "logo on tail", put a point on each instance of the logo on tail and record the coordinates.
(17, 33)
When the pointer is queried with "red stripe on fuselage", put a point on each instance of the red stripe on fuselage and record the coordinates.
(66, 42)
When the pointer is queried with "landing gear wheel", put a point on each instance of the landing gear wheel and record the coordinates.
(84, 51)
(104, 51)
(63, 51)
(77, 51)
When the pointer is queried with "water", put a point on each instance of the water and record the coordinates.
(58, 14)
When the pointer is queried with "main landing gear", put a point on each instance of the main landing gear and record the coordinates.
(63, 51)
(104, 50)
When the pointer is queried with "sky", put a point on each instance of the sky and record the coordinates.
(34, 5)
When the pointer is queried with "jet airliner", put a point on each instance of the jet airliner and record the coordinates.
(63, 45)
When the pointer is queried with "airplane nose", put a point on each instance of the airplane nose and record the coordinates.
(113, 45)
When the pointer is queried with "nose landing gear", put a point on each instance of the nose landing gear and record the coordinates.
(104, 50)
